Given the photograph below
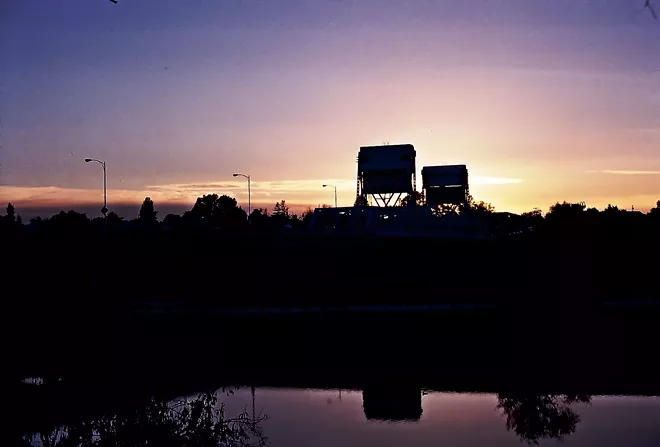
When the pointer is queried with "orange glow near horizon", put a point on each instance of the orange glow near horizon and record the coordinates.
(506, 194)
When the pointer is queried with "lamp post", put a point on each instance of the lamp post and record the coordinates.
(249, 193)
(254, 419)
(335, 188)
(104, 210)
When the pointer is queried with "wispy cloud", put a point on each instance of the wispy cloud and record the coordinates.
(494, 180)
(625, 172)
(54, 196)
(575, 74)
(290, 190)
(199, 186)
(295, 192)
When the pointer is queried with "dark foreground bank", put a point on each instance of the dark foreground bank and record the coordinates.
(301, 269)
(88, 304)
(603, 346)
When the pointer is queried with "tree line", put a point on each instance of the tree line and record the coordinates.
(212, 211)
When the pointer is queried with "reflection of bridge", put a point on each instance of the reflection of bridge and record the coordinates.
(400, 403)
(392, 404)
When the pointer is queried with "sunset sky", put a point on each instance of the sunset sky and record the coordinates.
(544, 100)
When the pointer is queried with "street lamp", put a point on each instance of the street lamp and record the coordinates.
(249, 193)
(333, 186)
(104, 210)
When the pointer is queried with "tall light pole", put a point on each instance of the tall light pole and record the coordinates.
(335, 188)
(249, 193)
(104, 210)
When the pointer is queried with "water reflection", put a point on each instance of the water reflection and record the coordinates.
(531, 418)
(376, 415)
(547, 416)
(414, 417)
(198, 421)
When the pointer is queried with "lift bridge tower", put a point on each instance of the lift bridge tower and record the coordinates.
(385, 174)
(446, 186)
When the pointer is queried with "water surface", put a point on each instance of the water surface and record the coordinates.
(337, 417)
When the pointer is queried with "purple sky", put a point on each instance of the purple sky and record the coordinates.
(538, 98)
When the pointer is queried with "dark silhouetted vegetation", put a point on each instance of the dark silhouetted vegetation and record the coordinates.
(419, 198)
(11, 213)
(361, 201)
(536, 418)
(187, 422)
(479, 208)
(213, 212)
(148, 214)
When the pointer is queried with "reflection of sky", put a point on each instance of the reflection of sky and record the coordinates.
(319, 418)
(177, 93)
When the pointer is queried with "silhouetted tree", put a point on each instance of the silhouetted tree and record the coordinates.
(226, 203)
(114, 217)
(361, 202)
(172, 220)
(420, 200)
(655, 211)
(205, 207)
(217, 211)
(148, 213)
(281, 210)
(479, 208)
(69, 221)
(7, 222)
(11, 213)
(113, 220)
(565, 211)
(295, 220)
(259, 218)
(612, 210)
(570, 220)
(534, 214)
(533, 219)
(547, 416)
(280, 214)
(233, 218)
